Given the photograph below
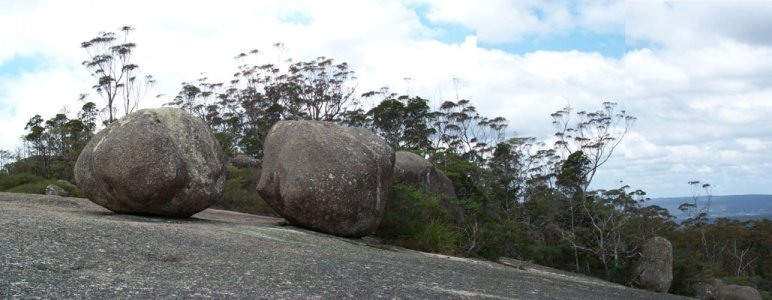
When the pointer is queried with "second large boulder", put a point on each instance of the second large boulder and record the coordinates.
(326, 177)
(413, 169)
(153, 162)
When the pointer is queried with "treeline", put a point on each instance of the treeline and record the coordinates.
(50, 147)
(519, 197)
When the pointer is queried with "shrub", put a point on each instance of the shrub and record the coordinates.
(38, 187)
(415, 220)
(30, 184)
(241, 193)
(13, 180)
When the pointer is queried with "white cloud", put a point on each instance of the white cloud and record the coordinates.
(689, 24)
(44, 93)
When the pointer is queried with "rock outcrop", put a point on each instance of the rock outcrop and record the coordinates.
(243, 161)
(655, 269)
(414, 170)
(154, 161)
(718, 290)
(55, 190)
(67, 248)
(326, 177)
(735, 292)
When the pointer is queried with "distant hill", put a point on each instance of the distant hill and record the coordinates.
(739, 207)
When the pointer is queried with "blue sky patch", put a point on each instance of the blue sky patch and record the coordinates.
(448, 33)
(20, 64)
(296, 17)
(607, 44)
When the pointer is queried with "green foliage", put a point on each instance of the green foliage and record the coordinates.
(31, 184)
(414, 219)
(403, 122)
(227, 142)
(261, 94)
(54, 144)
(438, 236)
(506, 238)
(241, 194)
(13, 180)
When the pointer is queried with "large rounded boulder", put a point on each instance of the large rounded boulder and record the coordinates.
(655, 269)
(160, 161)
(326, 177)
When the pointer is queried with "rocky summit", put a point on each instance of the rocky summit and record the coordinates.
(326, 177)
(54, 247)
(160, 161)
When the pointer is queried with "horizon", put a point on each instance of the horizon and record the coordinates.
(695, 74)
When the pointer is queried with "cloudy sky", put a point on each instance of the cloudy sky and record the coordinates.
(698, 75)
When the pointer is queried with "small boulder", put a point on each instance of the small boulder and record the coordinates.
(655, 269)
(414, 170)
(326, 177)
(703, 291)
(55, 190)
(722, 291)
(160, 161)
(243, 161)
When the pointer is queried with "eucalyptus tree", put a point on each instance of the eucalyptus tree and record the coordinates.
(263, 92)
(403, 122)
(698, 212)
(586, 145)
(6, 157)
(460, 129)
(118, 79)
(597, 134)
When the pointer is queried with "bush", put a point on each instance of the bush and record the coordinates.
(38, 187)
(71, 189)
(241, 193)
(13, 180)
(415, 220)
(30, 184)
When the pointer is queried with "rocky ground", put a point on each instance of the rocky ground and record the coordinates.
(69, 248)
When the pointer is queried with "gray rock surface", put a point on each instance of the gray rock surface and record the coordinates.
(736, 292)
(243, 161)
(703, 291)
(326, 177)
(718, 290)
(656, 266)
(69, 248)
(55, 190)
(154, 161)
(413, 169)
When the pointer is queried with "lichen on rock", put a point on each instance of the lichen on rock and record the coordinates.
(155, 161)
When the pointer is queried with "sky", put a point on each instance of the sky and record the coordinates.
(697, 75)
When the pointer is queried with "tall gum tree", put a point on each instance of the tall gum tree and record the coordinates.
(117, 77)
